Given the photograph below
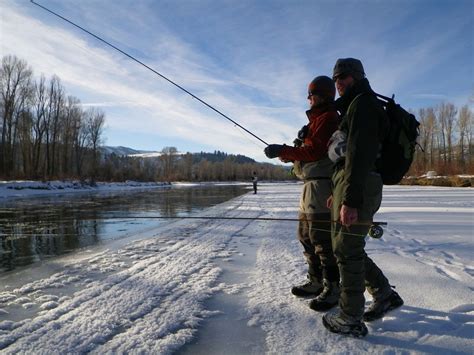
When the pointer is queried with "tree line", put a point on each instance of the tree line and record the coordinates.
(46, 134)
(446, 143)
(173, 166)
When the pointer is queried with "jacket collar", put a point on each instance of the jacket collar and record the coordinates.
(359, 87)
(314, 112)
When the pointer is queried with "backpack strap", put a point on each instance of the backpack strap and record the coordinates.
(354, 100)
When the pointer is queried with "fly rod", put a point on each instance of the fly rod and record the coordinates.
(149, 68)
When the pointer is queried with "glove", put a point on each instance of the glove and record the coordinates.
(303, 132)
(273, 150)
(297, 142)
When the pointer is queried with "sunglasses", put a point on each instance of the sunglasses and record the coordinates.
(343, 76)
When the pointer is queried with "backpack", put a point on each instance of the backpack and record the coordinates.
(398, 147)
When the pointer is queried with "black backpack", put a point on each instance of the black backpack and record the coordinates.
(398, 147)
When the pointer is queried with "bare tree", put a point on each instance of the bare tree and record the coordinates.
(465, 135)
(80, 137)
(429, 127)
(39, 123)
(15, 88)
(447, 115)
(72, 114)
(52, 123)
(95, 125)
(168, 160)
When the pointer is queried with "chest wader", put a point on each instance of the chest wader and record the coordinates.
(356, 269)
(314, 231)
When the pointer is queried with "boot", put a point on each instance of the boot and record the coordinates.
(341, 323)
(328, 298)
(312, 288)
(382, 305)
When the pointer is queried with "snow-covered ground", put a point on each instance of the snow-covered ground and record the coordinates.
(222, 286)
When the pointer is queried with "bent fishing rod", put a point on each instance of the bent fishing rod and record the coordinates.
(149, 68)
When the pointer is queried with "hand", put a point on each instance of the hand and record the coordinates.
(348, 215)
(303, 132)
(273, 150)
(329, 202)
(297, 142)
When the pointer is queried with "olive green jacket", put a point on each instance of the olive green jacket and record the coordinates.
(365, 124)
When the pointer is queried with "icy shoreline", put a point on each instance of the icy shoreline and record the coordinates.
(21, 189)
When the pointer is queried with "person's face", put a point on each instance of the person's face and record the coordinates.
(343, 82)
(313, 100)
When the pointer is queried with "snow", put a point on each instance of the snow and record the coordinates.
(222, 286)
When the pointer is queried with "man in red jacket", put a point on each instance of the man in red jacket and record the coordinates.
(312, 165)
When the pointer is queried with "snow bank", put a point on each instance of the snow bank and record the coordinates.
(152, 296)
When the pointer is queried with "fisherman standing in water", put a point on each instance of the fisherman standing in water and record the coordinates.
(254, 182)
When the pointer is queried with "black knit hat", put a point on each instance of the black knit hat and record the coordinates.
(349, 66)
(322, 86)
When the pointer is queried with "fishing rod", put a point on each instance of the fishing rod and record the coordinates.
(149, 68)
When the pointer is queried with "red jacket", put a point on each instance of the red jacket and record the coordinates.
(322, 124)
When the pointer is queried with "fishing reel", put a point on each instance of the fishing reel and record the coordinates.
(375, 231)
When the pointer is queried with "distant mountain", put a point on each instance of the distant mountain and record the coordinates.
(219, 156)
(122, 151)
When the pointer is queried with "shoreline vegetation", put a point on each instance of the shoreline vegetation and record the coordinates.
(447, 181)
(8, 188)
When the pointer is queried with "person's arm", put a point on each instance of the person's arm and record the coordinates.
(362, 149)
(315, 146)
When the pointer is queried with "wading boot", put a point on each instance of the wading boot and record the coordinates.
(312, 288)
(328, 298)
(382, 305)
(339, 322)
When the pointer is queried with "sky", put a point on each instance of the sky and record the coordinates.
(251, 60)
(223, 287)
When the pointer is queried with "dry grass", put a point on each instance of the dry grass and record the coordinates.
(450, 181)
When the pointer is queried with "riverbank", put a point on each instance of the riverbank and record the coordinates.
(206, 286)
(20, 189)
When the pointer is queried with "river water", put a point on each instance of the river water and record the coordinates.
(36, 228)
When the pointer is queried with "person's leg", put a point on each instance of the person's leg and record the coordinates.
(348, 247)
(314, 285)
(384, 298)
(348, 244)
(320, 233)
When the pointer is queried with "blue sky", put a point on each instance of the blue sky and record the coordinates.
(251, 59)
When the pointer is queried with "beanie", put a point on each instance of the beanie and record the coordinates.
(322, 86)
(349, 66)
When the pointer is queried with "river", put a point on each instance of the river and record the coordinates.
(34, 229)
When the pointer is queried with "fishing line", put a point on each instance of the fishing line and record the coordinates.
(223, 218)
(149, 68)
(375, 229)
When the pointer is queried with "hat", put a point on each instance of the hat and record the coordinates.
(349, 66)
(322, 86)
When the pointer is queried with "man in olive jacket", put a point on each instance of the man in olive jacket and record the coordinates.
(357, 195)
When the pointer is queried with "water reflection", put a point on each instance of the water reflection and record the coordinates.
(36, 228)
